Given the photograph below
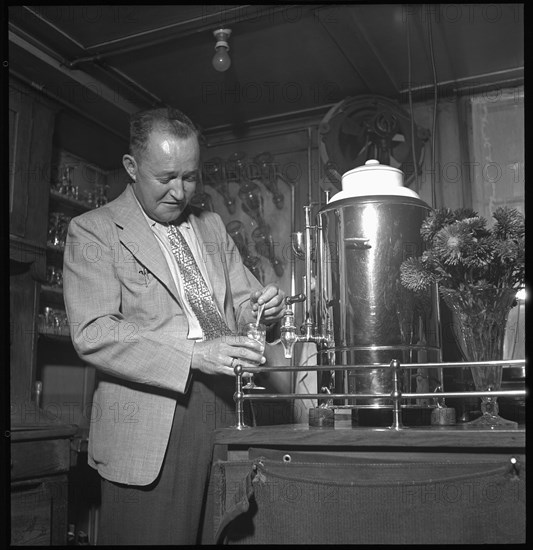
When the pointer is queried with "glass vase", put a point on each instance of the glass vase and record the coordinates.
(480, 319)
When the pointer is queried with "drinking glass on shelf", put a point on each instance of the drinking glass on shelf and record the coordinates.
(58, 277)
(63, 229)
(54, 276)
(256, 331)
(57, 229)
(53, 229)
(58, 321)
(87, 198)
(100, 195)
(68, 183)
(51, 275)
(48, 317)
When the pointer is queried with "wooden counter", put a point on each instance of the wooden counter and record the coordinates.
(344, 436)
(475, 469)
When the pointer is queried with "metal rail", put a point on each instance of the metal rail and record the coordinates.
(396, 395)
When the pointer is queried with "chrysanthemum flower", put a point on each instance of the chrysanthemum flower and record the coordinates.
(460, 214)
(509, 223)
(434, 222)
(462, 255)
(475, 225)
(451, 242)
(414, 277)
(479, 253)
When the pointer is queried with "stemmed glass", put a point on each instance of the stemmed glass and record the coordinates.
(253, 263)
(203, 201)
(252, 202)
(57, 229)
(215, 177)
(265, 246)
(235, 229)
(269, 177)
(256, 331)
(236, 170)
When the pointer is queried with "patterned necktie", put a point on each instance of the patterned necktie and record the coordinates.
(195, 287)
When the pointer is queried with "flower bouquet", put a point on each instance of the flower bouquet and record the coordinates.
(478, 271)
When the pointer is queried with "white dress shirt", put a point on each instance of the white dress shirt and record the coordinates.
(160, 231)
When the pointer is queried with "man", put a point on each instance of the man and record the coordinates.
(164, 349)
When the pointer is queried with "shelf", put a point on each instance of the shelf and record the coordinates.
(68, 205)
(54, 254)
(50, 430)
(53, 295)
(63, 333)
(55, 336)
(52, 289)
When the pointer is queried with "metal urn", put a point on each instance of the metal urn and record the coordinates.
(366, 231)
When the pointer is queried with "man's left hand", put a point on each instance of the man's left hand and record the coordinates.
(273, 298)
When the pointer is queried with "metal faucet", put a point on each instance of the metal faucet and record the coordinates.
(289, 333)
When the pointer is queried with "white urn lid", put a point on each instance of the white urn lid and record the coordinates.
(373, 178)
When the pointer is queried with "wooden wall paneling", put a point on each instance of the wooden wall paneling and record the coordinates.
(39, 171)
(19, 155)
(31, 127)
(23, 310)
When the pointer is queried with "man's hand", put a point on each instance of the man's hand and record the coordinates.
(273, 299)
(221, 355)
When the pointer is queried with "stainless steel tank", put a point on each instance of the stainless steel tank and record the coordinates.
(365, 234)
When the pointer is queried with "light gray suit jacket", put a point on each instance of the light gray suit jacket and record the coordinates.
(126, 320)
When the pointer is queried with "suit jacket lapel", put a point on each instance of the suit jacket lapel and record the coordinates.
(139, 239)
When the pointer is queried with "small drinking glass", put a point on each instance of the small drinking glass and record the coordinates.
(256, 332)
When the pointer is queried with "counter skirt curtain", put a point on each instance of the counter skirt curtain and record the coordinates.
(292, 498)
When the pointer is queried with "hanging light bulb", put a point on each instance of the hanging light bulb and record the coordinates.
(221, 59)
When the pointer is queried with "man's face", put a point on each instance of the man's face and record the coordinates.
(165, 174)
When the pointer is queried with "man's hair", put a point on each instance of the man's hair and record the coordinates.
(166, 119)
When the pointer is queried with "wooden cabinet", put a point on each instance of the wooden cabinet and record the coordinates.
(43, 426)
(40, 445)
(67, 382)
(31, 127)
(20, 127)
(40, 461)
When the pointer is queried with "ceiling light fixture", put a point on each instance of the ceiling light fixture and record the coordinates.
(221, 59)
